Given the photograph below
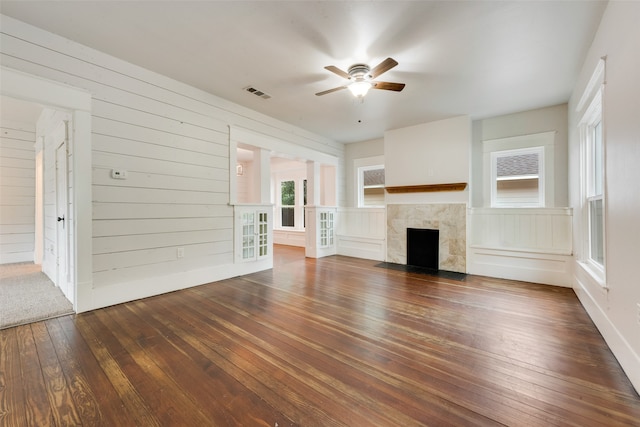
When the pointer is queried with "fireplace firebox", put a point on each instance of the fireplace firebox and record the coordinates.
(423, 247)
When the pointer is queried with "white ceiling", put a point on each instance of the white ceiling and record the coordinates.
(480, 58)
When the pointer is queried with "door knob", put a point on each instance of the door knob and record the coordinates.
(61, 218)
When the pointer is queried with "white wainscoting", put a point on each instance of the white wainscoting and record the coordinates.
(289, 237)
(362, 233)
(530, 244)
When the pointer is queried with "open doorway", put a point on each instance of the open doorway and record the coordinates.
(284, 179)
(33, 186)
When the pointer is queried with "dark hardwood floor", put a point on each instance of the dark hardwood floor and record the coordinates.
(328, 342)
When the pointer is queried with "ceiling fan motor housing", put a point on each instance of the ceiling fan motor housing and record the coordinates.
(359, 72)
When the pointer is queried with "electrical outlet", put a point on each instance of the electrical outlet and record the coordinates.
(180, 252)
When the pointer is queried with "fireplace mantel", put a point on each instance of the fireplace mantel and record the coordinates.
(456, 186)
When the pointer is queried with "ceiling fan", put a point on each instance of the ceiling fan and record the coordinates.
(361, 78)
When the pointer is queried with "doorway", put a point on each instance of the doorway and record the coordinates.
(77, 105)
(28, 294)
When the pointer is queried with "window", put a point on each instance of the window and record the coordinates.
(592, 143)
(371, 186)
(519, 171)
(517, 178)
(287, 202)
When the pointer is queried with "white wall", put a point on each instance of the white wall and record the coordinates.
(361, 232)
(430, 153)
(354, 152)
(173, 141)
(17, 192)
(614, 310)
(553, 118)
(245, 190)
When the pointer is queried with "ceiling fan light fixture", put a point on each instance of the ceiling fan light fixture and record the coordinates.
(361, 78)
(360, 88)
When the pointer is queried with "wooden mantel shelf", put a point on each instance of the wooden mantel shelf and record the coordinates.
(457, 186)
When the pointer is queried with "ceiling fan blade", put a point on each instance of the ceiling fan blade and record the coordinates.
(335, 89)
(383, 67)
(388, 86)
(337, 71)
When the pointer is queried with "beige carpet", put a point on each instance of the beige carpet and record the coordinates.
(27, 295)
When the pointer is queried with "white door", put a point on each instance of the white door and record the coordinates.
(62, 229)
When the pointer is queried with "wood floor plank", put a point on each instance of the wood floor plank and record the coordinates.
(171, 369)
(271, 355)
(63, 409)
(334, 341)
(406, 370)
(134, 404)
(221, 393)
(353, 372)
(97, 402)
(37, 406)
(11, 393)
(296, 398)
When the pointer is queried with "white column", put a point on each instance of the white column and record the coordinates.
(313, 201)
(262, 175)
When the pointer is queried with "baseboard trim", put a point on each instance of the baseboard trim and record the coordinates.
(624, 353)
(89, 298)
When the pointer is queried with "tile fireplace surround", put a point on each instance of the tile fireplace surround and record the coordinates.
(449, 218)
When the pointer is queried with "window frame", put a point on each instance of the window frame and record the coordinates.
(593, 117)
(282, 206)
(361, 187)
(539, 150)
(540, 139)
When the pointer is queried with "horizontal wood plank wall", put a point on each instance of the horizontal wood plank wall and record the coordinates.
(17, 192)
(173, 142)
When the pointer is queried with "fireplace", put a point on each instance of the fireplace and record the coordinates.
(423, 246)
(448, 218)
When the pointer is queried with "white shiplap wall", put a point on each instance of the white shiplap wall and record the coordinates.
(17, 192)
(173, 141)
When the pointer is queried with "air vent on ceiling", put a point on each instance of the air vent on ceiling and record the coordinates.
(257, 92)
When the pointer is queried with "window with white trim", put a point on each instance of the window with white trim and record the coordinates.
(517, 178)
(371, 186)
(519, 171)
(592, 146)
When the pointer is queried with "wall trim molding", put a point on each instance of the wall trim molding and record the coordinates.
(620, 347)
